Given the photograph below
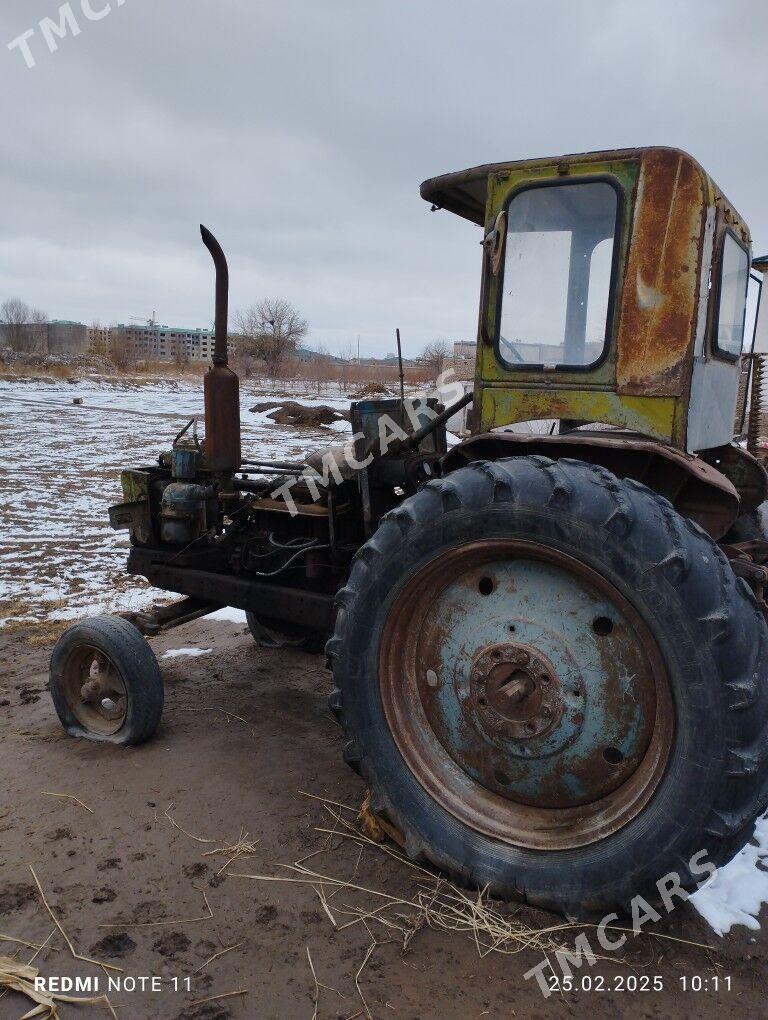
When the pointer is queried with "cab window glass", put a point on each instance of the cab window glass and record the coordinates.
(732, 300)
(557, 274)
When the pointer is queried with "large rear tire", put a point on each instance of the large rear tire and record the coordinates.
(554, 685)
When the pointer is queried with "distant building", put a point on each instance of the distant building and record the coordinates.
(67, 338)
(99, 339)
(163, 343)
(462, 364)
(59, 337)
(464, 350)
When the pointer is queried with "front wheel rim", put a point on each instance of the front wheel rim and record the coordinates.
(526, 694)
(94, 690)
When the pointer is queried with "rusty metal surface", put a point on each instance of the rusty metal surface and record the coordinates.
(94, 690)
(465, 191)
(222, 420)
(697, 489)
(220, 355)
(517, 687)
(643, 383)
(472, 652)
(746, 473)
(658, 315)
(757, 422)
(223, 454)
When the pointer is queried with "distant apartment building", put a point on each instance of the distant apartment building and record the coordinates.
(59, 337)
(463, 361)
(464, 350)
(99, 339)
(67, 338)
(162, 343)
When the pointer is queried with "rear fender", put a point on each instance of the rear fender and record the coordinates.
(699, 488)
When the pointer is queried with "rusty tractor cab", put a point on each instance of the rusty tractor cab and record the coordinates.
(548, 644)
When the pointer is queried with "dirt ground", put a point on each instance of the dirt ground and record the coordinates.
(127, 866)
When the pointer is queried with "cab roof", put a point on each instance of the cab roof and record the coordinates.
(464, 192)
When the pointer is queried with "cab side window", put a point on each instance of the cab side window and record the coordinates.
(732, 298)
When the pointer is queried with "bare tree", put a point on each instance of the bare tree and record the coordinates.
(14, 315)
(271, 331)
(317, 369)
(347, 354)
(122, 352)
(38, 317)
(181, 358)
(434, 357)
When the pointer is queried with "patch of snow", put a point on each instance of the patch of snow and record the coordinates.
(174, 653)
(229, 614)
(61, 472)
(737, 891)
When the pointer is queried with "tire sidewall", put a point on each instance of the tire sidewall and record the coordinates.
(142, 680)
(667, 830)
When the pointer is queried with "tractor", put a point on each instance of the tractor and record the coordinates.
(548, 642)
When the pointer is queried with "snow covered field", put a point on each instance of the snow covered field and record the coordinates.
(60, 472)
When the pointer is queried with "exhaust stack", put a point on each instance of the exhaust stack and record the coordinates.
(222, 387)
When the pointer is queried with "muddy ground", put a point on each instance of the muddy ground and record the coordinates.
(126, 865)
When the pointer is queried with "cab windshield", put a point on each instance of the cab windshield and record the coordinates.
(558, 266)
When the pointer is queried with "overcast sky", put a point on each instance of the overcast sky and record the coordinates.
(299, 132)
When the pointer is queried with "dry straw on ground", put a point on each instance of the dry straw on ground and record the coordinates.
(167, 924)
(20, 977)
(433, 903)
(242, 847)
(68, 796)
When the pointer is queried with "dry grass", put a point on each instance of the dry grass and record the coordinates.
(38, 633)
(242, 847)
(16, 370)
(221, 952)
(73, 951)
(432, 903)
(166, 924)
(68, 796)
(20, 977)
(217, 998)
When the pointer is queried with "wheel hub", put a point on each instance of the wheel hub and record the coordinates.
(516, 691)
(95, 691)
(526, 693)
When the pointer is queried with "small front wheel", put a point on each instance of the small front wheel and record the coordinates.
(106, 683)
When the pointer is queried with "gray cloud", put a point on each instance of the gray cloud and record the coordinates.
(300, 131)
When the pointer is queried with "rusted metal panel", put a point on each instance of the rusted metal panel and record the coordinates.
(757, 427)
(222, 420)
(658, 314)
(652, 416)
(465, 192)
(223, 453)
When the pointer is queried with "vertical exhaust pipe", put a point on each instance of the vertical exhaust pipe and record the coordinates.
(222, 387)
